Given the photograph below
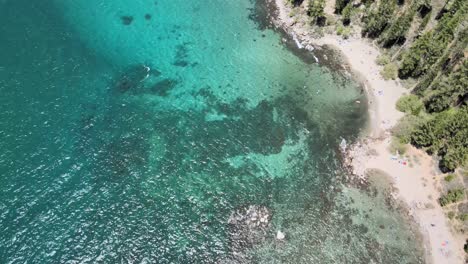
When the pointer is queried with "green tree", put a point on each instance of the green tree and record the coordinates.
(295, 2)
(410, 104)
(316, 10)
(346, 13)
(406, 127)
(445, 134)
(428, 48)
(449, 90)
(396, 32)
(376, 20)
(452, 196)
(340, 5)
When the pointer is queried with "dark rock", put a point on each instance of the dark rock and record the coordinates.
(126, 20)
(163, 87)
(248, 227)
(131, 78)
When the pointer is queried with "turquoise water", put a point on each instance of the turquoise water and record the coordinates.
(154, 131)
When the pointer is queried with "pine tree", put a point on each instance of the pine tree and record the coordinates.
(377, 20)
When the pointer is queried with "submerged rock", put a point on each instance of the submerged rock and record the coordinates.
(163, 87)
(126, 20)
(131, 78)
(280, 235)
(253, 216)
(343, 145)
(248, 227)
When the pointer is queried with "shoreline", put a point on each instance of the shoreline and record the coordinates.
(415, 185)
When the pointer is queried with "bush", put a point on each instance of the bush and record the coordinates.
(340, 5)
(343, 31)
(426, 50)
(293, 12)
(453, 157)
(395, 33)
(451, 215)
(382, 60)
(295, 2)
(346, 13)
(424, 22)
(390, 71)
(449, 177)
(397, 146)
(375, 21)
(445, 134)
(452, 196)
(463, 217)
(316, 11)
(448, 90)
(405, 127)
(409, 104)
(339, 29)
(330, 20)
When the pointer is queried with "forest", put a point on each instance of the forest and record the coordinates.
(424, 43)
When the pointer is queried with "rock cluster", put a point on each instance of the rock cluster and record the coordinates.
(253, 216)
(355, 158)
(248, 226)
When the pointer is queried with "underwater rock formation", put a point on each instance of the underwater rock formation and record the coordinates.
(248, 227)
(132, 78)
(126, 20)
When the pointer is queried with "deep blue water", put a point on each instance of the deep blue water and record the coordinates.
(135, 132)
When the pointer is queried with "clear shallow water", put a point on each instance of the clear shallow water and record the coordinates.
(104, 161)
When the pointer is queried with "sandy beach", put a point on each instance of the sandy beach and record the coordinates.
(415, 184)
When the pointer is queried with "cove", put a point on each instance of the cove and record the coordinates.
(177, 132)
